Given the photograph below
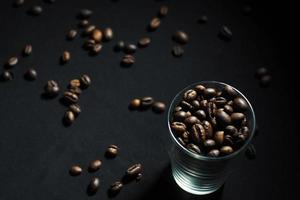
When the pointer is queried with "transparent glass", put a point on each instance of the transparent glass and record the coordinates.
(198, 174)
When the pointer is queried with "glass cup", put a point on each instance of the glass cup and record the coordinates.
(198, 174)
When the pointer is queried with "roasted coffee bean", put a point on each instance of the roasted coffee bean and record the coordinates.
(139, 177)
(97, 35)
(225, 33)
(209, 143)
(204, 104)
(202, 19)
(229, 92)
(7, 76)
(209, 93)
(190, 121)
(213, 153)
(130, 48)
(190, 95)
(237, 118)
(154, 23)
(134, 170)
(208, 129)
(75, 90)
(250, 152)
(178, 127)
(35, 10)
(193, 148)
(230, 103)
(199, 89)
(240, 105)
(69, 117)
(27, 50)
(12, 61)
(180, 115)
(74, 83)
(51, 88)
(71, 34)
(70, 97)
(85, 13)
(30, 74)
(95, 165)
(85, 81)
(220, 101)
(108, 34)
(181, 37)
(225, 150)
(260, 72)
(228, 109)
(75, 108)
(200, 114)
(135, 103)
(185, 136)
(75, 170)
(18, 3)
(96, 48)
(120, 46)
(245, 130)
(89, 44)
(112, 151)
(228, 140)
(195, 104)
(211, 110)
(223, 118)
(186, 106)
(128, 60)
(66, 56)
(144, 41)
(83, 23)
(163, 11)
(265, 80)
(230, 130)
(177, 51)
(89, 30)
(177, 108)
(116, 187)
(94, 185)
(147, 102)
(158, 107)
(198, 134)
(219, 137)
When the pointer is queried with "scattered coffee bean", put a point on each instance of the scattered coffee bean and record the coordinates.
(51, 88)
(96, 48)
(120, 46)
(18, 3)
(74, 83)
(75, 90)
(128, 60)
(158, 107)
(214, 153)
(154, 23)
(7, 76)
(89, 29)
(194, 148)
(225, 33)
(83, 23)
(260, 72)
(181, 37)
(239, 104)
(71, 34)
(95, 165)
(163, 11)
(75, 108)
(147, 102)
(75, 170)
(116, 187)
(144, 41)
(96, 35)
(70, 97)
(12, 61)
(30, 74)
(85, 13)
(66, 57)
(69, 117)
(265, 80)
(177, 51)
(108, 34)
(94, 185)
(35, 10)
(89, 44)
(250, 152)
(202, 19)
(135, 104)
(27, 50)
(130, 48)
(225, 150)
(85, 81)
(112, 151)
(134, 170)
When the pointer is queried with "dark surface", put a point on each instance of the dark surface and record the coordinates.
(36, 150)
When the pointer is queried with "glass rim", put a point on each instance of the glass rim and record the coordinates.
(202, 157)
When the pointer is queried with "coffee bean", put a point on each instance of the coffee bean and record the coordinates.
(237, 118)
(250, 152)
(229, 92)
(7, 76)
(97, 35)
(181, 37)
(75, 90)
(195, 104)
(199, 89)
(190, 95)
(94, 185)
(209, 143)
(70, 97)
(240, 105)
(214, 153)
(186, 106)
(139, 177)
(198, 134)
(260, 72)
(226, 150)
(158, 107)
(230, 103)
(147, 102)
(193, 148)
(27, 50)
(163, 11)
(209, 93)
(51, 88)
(89, 44)
(225, 33)
(222, 118)
(18, 3)
(202, 19)
(75, 170)
(71, 34)
(74, 83)
(119, 46)
(178, 127)
(177, 51)
(245, 130)
(219, 137)
(228, 109)
(134, 170)
(180, 115)
(95, 165)
(130, 48)
(230, 130)
(154, 23)
(135, 103)
(83, 23)
(265, 80)
(12, 61)
(96, 48)
(190, 121)
(35, 10)
(66, 56)
(204, 104)
(89, 30)
(75, 108)
(185, 136)
(108, 34)
(208, 129)
(128, 60)
(177, 108)
(30, 74)
(112, 151)
(220, 101)
(144, 41)
(116, 187)
(69, 117)
(211, 110)
(85, 81)
(85, 13)
(200, 114)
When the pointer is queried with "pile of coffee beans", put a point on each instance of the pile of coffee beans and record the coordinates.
(147, 103)
(181, 38)
(211, 121)
(264, 77)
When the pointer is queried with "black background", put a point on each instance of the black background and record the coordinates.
(36, 150)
